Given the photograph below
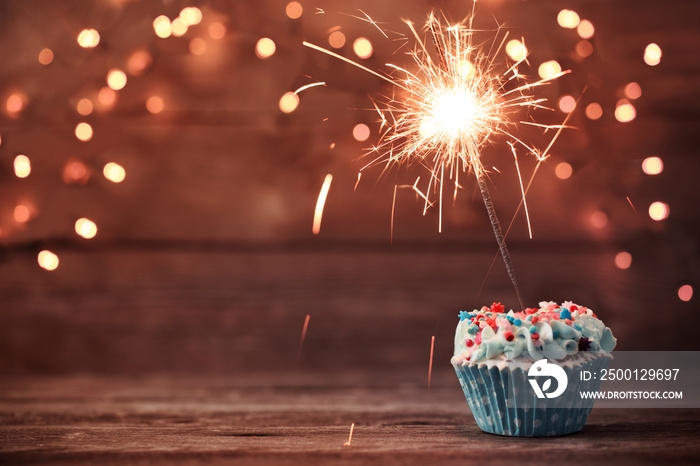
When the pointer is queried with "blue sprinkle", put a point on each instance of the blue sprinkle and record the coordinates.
(517, 321)
(565, 314)
(577, 327)
(529, 318)
(463, 315)
(533, 329)
(555, 333)
(473, 329)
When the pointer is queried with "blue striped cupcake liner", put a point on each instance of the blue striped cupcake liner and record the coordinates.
(503, 402)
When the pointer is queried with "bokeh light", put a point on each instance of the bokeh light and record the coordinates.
(567, 103)
(75, 172)
(138, 62)
(563, 170)
(585, 29)
(107, 97)
(362, 47)
(659, 211)
(47, 260)
(191, 15)
(625, 111)
(336, 39)
(599, 219)
(116, 79)
(549, 69)
(88, 38)
(360, 132)
(516, 50)
(46, 56)
(83, 131)
(114, 172)
(685, 293)
(85, 228)
(568, 19)
(162, 26)
(294, 10)
(652, 54)
(22, 165)
(289, 102)
(15, 103)
(84, 106)
(155, 104)
(594, 111)
(216, 31)
(22, 213)
(623, 260)
(178, 27)
(652, 165)
(198, 46)
(633, 91)
(265, 48)
(584, 48)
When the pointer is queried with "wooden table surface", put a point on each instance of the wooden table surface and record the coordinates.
(303, 417)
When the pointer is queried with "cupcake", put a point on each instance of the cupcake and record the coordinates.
(523, 372)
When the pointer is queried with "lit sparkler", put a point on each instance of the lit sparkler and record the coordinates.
(446, 111)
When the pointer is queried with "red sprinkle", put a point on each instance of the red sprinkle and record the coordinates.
(477, 340)
(573, 308)
(470, 343)
(509, 336)
(567, 321)
(535, 319)
(498, 307)
(535, 336)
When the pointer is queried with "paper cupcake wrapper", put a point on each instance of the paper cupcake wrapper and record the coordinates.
(503, 402)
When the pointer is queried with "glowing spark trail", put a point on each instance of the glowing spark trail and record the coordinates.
(347, 444)
(430, 366)
(444, 112)
(318, 214)
(303, 334)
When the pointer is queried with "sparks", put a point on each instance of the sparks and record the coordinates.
(303, 334)
(430, 366)
(321, 203)
(347, 444)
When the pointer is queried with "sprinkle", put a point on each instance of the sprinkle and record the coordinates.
(535, 319)
(477, 340)
(577, 327)
(498, 307)
(517, 322)
(535, 336)
(473, 329)
(533, 329)
(573, 307)
(564, 314)
(463, 315)
(584, 344)
(470, 343)
(567, 321)
(509, 336)
(555, 333)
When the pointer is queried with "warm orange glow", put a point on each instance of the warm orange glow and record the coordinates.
(599, 219)
(75, 172)
(216, 31)
(22, 213)
(294, 10)
(46, 56)
(563, 171)
(659, 211)
(362, 47)
(360, 132)
(652, 54)
(15, 103)
(584, 48)
(265, 48)
(623, 260)
(516, 50)
(138, 62)
(685, 293)
(568, 19)
(289, 102)
(336, 39)
(198, 46)
(191, 15)
(85, 228)
(114, 172)
(155, 104)
(88, 38)
(107, 97)
(652, 165)
(594, 111)
(320, 203)
(84, 107)
(116, 79)
(585, 29)
(633, 91)
(23, 166)
(549, 69)
(162, 26)
(178, 27)
(83, 131)
(625, 111)
(47, 260)
(567, 104)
